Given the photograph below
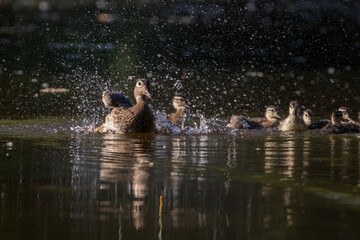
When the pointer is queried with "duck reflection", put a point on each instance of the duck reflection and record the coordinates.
(281, 154)
(339, 150)
(125, 160)
(209, 183)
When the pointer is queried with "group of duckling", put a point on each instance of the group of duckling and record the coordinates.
(138, 118)
(341, 121)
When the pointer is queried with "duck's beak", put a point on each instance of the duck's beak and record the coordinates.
(187, 106)
(279, 117)
(148, 94)
(350, 120)
(229, 125)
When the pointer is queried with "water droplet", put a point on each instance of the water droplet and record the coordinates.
(331, 70)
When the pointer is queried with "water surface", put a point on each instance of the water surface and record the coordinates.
(59, 183)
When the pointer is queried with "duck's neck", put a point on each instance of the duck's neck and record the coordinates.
(140, 99)
(140, 105)
(179, 112)
(271, 119)
(307, 123)
(176, 116)
(335, 121)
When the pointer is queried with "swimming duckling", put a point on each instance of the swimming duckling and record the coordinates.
(240, 122)
(346, 115)
(138, 118)
(111, 99)
(180, 106)
(308, 118)
(293, 122)
(271, 119)
(337, 126)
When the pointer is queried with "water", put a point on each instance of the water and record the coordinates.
(57, 183)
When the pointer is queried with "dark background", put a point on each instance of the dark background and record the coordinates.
(230, 56)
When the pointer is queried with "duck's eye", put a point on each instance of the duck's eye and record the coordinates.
(139, 84)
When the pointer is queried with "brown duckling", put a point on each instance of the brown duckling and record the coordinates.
(308, 117)
(346, 115)
(111, 99)
(180, 106)
(240, 122)
(337, 126)
(293, 122)
(271, 118)
(138, 118)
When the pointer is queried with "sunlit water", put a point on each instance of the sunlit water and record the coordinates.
(60, 181)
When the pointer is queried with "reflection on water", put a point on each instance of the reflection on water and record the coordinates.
(180, 187)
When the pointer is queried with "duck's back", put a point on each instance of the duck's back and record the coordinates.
(341, 128)
(318, 125)
(258, 120)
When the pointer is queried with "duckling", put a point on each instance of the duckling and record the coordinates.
(308, 117)
(180, 106)
(337, 126)
(136, 119)
(293, 122)
(346, 115)
(111, 99)
(240, 122)
(271, 119)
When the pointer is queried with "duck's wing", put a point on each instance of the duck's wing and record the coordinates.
(255, 125)
(318, 125)
(331, 128)
(352, 127)
(113, 99)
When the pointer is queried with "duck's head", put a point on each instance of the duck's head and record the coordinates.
(336, 117)
(142, 89)
(308, 117)
(272, 113)
(294, 108)
(106, 98)
(179, 102)
(345, 114)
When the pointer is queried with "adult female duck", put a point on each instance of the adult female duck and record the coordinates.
(125, 118)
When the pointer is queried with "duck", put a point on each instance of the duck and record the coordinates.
(308, 117)
(271, 119)
(137, 118)
(179, 103)
(338, 126)
(239, 122)
(346, 115)
(293, 122)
